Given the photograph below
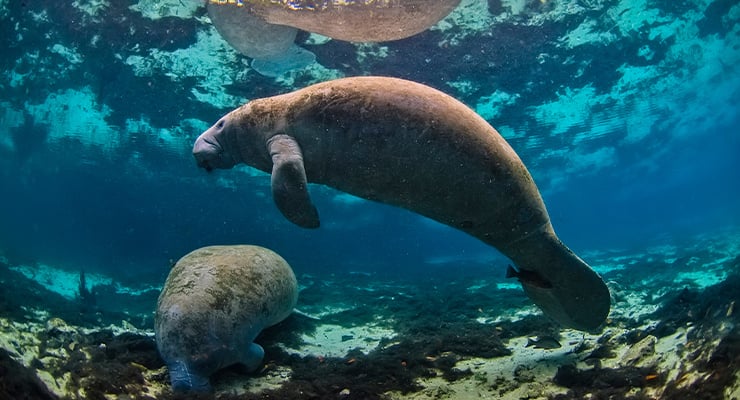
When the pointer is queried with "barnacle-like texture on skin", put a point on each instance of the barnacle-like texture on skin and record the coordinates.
(216, 300)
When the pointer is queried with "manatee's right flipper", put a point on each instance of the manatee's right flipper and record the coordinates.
(183, 379)
(289, 184)
(252, 357)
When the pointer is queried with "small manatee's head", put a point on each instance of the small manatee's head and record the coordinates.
(213, 147)
(184, 379)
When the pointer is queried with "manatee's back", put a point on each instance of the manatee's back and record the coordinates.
(405, 144)
(189, 323)
(408, 145)
(217, 299)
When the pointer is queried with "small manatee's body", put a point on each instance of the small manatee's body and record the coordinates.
(215, 301)
(408, 145)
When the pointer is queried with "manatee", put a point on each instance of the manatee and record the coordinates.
(356, 20)
(266, 30)
(405, 144)
(215, 301)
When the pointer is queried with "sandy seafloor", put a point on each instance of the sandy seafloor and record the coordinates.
(454, 331)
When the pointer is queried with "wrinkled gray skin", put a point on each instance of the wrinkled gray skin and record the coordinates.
(215, 301)
(408, 145)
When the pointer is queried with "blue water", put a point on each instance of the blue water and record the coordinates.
(625, 113)
(142, 202)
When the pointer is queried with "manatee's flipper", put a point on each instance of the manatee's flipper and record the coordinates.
(289, 184)
(295, 57)
(183, 379)
(253, 356)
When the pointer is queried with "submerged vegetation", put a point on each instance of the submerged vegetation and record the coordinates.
(453, 326)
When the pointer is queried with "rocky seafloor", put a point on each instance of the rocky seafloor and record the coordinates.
(443, 331)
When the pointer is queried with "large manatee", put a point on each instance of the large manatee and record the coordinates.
(265, 30)
(215, 301)
(406, 144)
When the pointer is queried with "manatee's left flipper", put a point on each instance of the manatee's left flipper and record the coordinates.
(252, 357)
(289, 184)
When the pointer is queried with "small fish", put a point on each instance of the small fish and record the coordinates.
(530, 278)
(543, 342)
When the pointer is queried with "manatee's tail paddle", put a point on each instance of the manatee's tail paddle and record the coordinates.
(562, 285)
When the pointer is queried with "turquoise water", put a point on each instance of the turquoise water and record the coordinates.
(624, 112)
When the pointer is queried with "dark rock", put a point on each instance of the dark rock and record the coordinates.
(20, 383)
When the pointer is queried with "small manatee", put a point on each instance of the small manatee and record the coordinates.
(215, 301)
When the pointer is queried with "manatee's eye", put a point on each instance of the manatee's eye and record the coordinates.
(220, 124)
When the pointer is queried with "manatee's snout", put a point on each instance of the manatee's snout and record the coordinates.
(206, 153)
(183, 379)
(209, 153)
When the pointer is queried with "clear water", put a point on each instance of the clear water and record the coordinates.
(625, 113)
